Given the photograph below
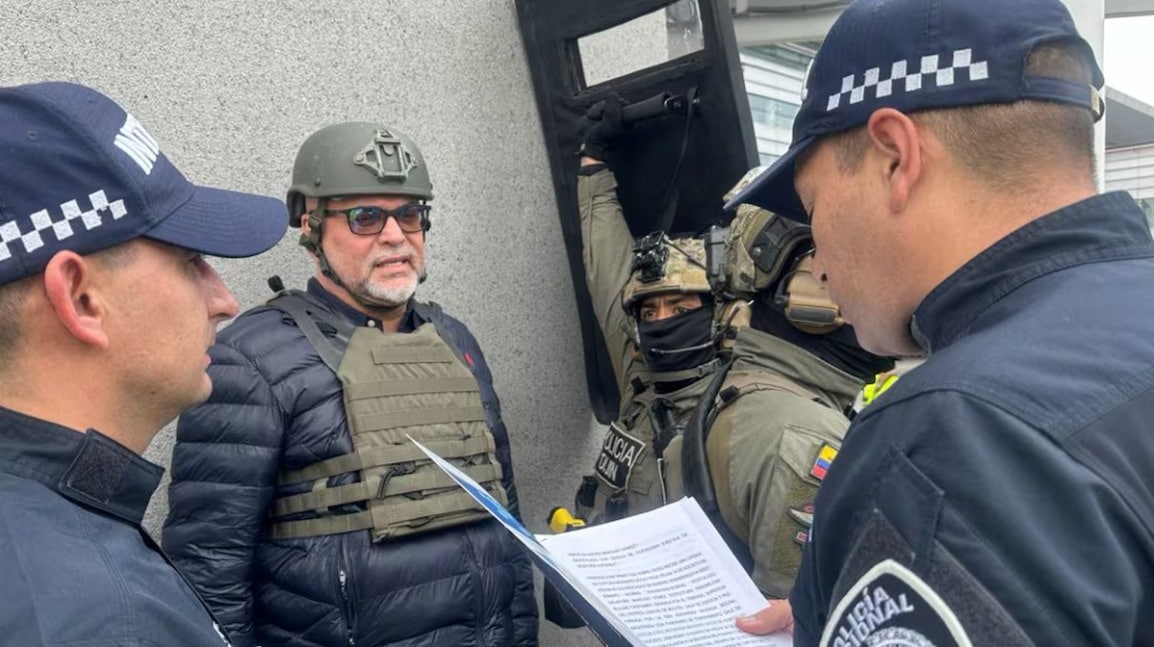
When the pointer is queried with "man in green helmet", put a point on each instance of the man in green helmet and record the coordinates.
(737, 397)
(298, 506)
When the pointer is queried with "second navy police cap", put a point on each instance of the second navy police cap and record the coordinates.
(919, 55)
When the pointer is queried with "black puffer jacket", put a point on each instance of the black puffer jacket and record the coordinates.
(276, 406)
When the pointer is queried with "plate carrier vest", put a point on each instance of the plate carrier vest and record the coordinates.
(396, 386)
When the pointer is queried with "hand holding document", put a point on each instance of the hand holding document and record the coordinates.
(664, 578)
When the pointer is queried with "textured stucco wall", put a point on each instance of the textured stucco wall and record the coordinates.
(231, 88)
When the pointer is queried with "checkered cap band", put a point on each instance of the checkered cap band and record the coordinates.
(78, 173)
(59, 224)
(910, 76)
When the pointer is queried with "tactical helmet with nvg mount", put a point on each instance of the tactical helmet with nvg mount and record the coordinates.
(356, 158)
(348, 159)
(662, 265)
(761, 251)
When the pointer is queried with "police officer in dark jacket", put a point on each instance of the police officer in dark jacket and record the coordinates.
(1003, 492)
(299, 507)
(107, 310)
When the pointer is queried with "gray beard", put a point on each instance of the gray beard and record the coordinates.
(381, 297)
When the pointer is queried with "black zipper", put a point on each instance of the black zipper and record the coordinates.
(343, 581)
(471, 556)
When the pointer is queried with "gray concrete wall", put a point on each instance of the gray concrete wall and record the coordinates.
(231, 88)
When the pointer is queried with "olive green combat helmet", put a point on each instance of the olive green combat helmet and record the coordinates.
(662, 265)
(347, 159)
(356, 158)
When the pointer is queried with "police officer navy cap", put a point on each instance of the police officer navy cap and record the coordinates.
(79, 173)
(916, 55)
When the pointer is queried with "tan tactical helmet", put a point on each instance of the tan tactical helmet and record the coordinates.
(760, 245)
(766, 252)
(662, 265)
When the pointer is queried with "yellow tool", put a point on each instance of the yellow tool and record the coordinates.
(561, 520)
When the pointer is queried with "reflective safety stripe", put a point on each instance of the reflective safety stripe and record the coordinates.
(427, 477)
(389, 455)
(452, 507)
(415, 386)
(880, 385)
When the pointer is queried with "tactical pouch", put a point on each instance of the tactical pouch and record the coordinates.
(617, 507)
(586, 498)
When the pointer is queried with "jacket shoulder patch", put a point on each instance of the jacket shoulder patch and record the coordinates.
(890, 605)
(824, 459)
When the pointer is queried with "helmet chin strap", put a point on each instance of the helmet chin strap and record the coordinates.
(312, 242)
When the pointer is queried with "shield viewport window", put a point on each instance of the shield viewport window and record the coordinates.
(644, 42)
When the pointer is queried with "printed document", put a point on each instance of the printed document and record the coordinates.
(663, 578)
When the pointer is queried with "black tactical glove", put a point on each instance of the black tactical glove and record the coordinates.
(558, 610)
(599, 134)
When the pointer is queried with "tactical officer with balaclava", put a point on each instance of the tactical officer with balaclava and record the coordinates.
(742, 417)
(299, 507)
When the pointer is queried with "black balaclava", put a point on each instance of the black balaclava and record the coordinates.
(838, 348)
(678, 343)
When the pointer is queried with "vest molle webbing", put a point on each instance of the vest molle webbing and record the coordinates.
(397, 386)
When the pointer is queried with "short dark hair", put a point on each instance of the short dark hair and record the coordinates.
(12, 297)
(1002, 143)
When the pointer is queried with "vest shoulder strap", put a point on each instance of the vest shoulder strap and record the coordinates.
(697, 479)
(737, 385)
(307, 313)
(429, 311)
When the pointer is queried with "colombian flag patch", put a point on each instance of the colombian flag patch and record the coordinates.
(825, 456)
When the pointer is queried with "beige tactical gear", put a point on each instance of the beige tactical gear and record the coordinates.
(762, 253)
(628, 473)
(750, 264)
(742, 277)
(764, 444)
(684, 271)
(749, 176)
(607, 250)
(398, 387)
(783, 407)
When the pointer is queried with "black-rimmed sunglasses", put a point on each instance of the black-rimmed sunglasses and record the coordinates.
(370, 221)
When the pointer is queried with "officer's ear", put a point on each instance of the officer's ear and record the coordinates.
(896, 141)
(76, 290)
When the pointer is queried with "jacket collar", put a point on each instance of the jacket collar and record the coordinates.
(756, 350)
(330, 300)
(88, 468)
(1104, 227)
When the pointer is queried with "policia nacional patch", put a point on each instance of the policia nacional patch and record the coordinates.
(890, 606)
(619, 454)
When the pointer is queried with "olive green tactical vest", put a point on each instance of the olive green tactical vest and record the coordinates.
(629, 480)
(396, 386)
(628, 477)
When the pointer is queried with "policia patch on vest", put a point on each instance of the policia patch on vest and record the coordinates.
(619, 453)
(892, 606)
